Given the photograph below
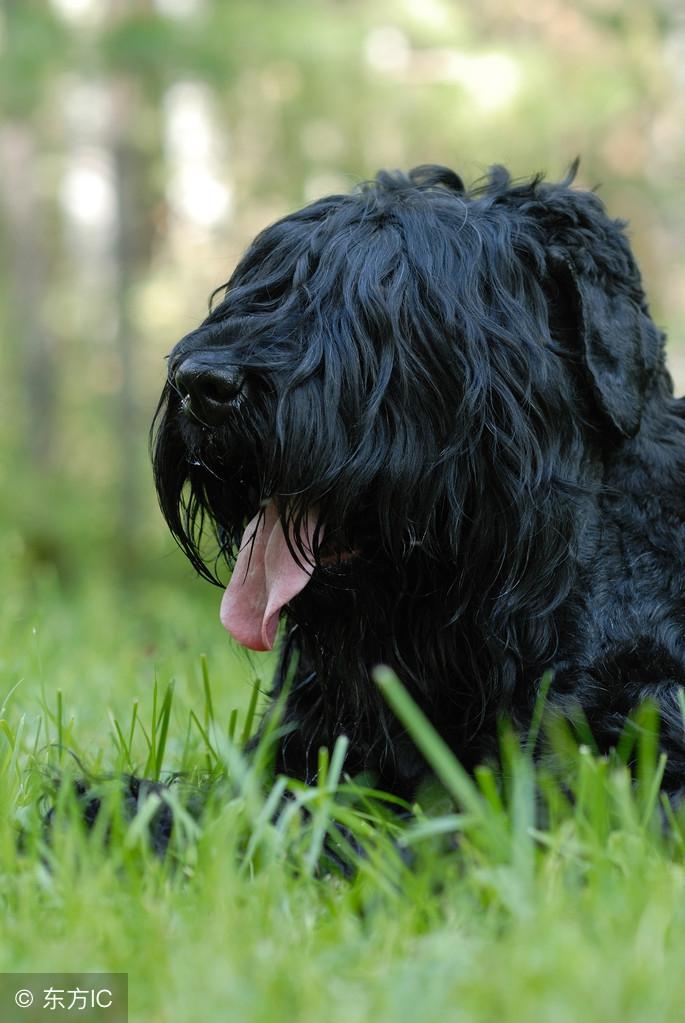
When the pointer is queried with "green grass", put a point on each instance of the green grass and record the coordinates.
(497, 918)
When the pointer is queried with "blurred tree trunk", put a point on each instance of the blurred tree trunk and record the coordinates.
(27, 275)
(133, 242)
(127, 263)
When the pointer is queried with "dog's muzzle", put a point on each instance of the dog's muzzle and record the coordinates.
(209, 392)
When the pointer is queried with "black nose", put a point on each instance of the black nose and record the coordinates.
(208, 392)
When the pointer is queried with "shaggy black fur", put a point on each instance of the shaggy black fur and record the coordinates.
(465, 392)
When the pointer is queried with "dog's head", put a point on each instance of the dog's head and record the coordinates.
(406, 384)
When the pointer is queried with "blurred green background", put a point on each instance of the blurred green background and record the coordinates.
(144, 142)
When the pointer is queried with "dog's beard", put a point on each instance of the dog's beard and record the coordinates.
(267, 576)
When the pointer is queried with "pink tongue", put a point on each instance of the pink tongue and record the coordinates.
(265, 578)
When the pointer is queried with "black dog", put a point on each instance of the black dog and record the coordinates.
(432, 428)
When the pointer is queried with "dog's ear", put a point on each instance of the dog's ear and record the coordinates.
(610, 326)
